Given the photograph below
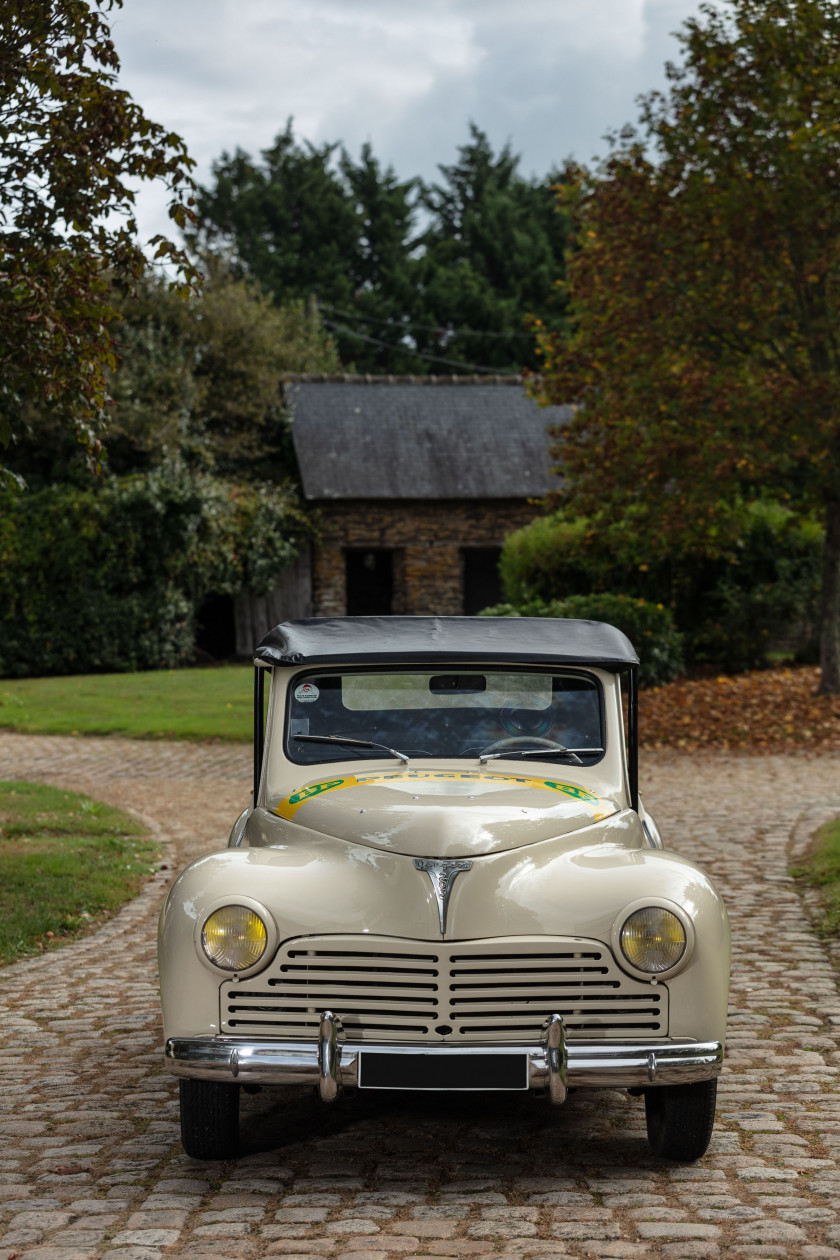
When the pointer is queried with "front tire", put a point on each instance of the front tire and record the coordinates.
(680, 1119)
(209, 1119)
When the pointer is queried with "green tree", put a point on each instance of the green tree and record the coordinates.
(305, 224)
(288, 220)
(243, 345)
(308, 220)
(198, 380)
(704, 292)
(492, 256)
(374, 327)
(72, 148)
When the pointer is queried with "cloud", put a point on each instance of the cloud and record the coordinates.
(231, 73)
(551, 76)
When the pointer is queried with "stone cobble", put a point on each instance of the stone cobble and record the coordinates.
(91, 1164)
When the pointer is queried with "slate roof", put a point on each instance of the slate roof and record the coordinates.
(421, 438)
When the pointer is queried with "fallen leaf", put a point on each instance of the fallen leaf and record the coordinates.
(767, 711)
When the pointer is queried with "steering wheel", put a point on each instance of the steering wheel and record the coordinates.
(522, 741)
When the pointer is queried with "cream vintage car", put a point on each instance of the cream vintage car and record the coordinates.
(445, 880)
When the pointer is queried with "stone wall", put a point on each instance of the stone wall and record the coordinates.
(427, 538)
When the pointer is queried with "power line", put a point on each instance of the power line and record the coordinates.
(434, 328)
(430, 358)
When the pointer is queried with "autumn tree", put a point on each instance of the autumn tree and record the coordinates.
(704, 280)
(72, 149)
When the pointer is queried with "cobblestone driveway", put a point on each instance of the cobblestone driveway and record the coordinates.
(91, 1164)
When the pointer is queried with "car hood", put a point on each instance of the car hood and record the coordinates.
(444, 813)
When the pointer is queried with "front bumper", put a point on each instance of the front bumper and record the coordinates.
(554, 1063)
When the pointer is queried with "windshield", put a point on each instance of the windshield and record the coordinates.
(464, 714)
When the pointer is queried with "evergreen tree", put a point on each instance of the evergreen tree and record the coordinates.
(492, 256)
(307, 226)
(383, 268)
(454, 297)
(289, 219)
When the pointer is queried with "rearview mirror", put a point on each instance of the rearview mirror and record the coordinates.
(460, 684)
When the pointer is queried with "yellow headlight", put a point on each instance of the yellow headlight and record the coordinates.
(653, 939)
(234, 938)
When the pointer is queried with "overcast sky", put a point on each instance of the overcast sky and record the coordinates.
(551, 76)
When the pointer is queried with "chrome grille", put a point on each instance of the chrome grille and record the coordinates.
(385, 988)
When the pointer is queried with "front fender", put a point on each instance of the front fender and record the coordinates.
(578, 885)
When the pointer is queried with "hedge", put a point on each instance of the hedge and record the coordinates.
(108, 578)
(649, 627)
(758, 590)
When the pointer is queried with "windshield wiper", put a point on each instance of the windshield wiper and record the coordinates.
(536, 752)
(353, 743)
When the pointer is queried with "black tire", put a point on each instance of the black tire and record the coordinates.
(209, 1119)
(680, 1119)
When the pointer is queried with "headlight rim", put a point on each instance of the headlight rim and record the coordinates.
(247, 903)
(660, 903)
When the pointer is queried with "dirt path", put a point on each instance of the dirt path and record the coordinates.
(91, 1164)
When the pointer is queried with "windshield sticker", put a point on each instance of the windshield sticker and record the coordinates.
(597, 806)
(306, 692)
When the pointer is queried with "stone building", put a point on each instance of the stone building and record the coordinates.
(416, 481)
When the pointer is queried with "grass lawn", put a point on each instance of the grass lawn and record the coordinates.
(163, 704)
(821, 869)
(68, 864)
(767, 711)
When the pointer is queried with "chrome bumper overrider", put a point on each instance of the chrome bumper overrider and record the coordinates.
(554, 1064)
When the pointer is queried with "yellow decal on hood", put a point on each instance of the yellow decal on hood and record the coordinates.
(597, 806)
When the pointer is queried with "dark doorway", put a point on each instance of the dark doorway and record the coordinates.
(482, 585)
(370, 582)
(215, 628)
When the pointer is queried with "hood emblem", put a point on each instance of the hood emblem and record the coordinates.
(443, 876)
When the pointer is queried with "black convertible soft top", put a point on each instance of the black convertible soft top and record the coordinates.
(434, 640)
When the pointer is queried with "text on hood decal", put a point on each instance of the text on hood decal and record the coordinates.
(597, 806)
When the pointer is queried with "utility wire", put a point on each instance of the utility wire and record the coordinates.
(435, 328)
(430, 358)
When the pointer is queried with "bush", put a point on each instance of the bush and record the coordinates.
(108, 578)
(556, 556)
(758, 591)
(649, 627)
(550, 557)
(767, 596)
